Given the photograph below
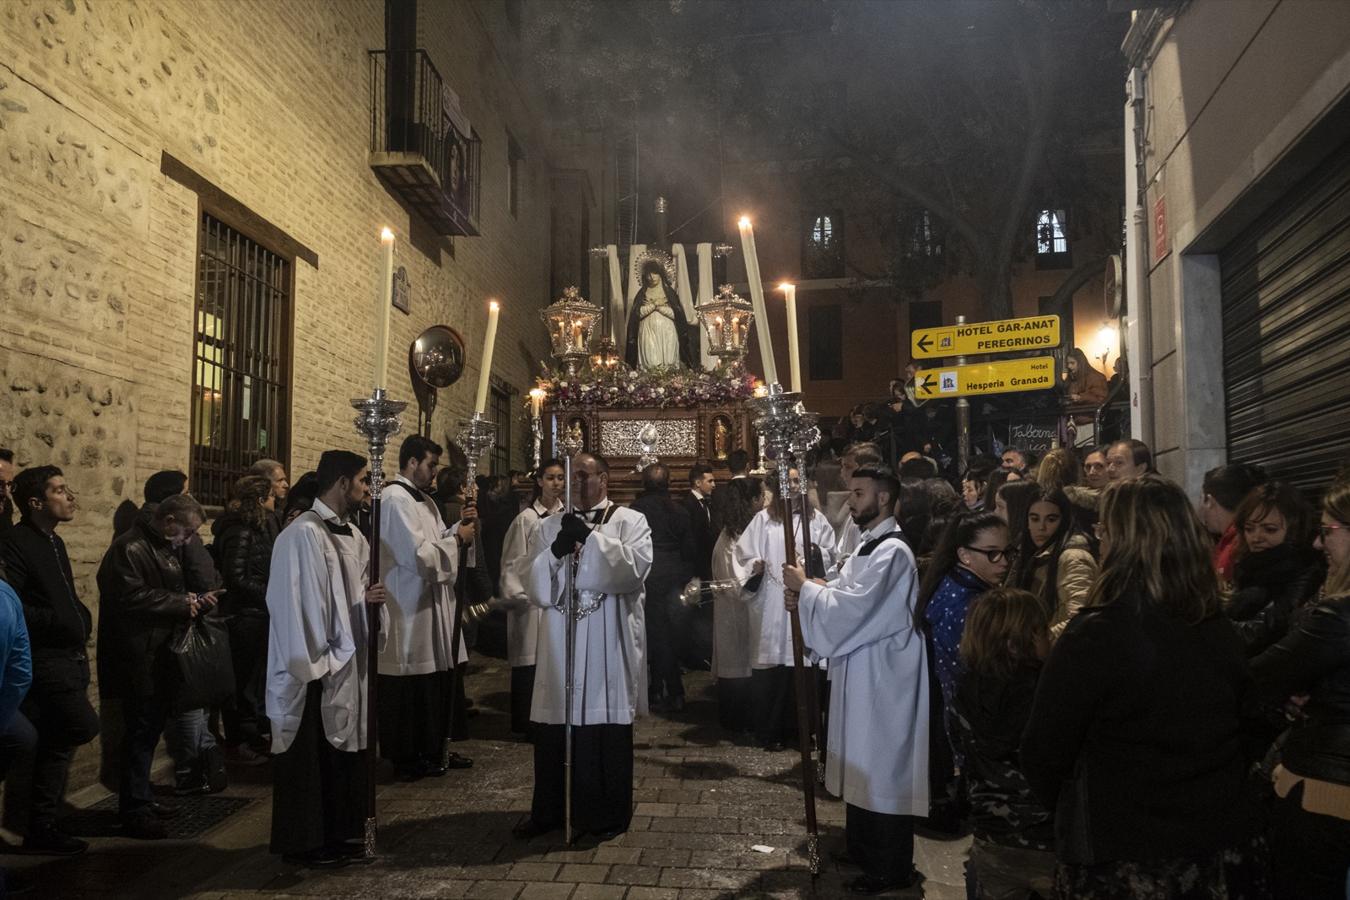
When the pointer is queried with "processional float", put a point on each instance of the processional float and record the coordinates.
(786, 431)
(570, 320)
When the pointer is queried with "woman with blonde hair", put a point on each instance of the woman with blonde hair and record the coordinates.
(1310, 833)
(1006, 639)
(1059, 469)
(1135, 739)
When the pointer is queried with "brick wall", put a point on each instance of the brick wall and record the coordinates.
(270, 102)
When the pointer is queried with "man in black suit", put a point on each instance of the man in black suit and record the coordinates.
(698, 503)
(672, 567)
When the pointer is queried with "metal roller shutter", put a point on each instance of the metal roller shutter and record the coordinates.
(1286, 331)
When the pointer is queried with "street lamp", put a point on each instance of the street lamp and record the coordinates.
(1107, 341)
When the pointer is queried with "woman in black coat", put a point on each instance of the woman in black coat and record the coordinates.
(1276, 570)
(1136, 734)
(244, 547)
(1310, 833)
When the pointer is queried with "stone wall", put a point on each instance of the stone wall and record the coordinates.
(271, 103)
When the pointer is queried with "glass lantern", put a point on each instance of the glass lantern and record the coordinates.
(727, 319)
(605, 356)
(570, 320)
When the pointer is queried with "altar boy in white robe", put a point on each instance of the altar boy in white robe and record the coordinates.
(317, 671)
(522, 616)
(419, 562)
(772, 686)
(612, 549)
(863, 621)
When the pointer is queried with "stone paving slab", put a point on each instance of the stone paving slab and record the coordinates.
(702, 802)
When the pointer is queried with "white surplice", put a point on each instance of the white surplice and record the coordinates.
(419, 561)
(863, 621)
(731, 611)
(518, 552)
(770, 634)
(609, 686)
(317, 628)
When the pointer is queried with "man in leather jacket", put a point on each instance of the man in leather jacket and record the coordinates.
(143, 600)
(38, 568)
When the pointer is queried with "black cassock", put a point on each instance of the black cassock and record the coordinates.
(318, 791)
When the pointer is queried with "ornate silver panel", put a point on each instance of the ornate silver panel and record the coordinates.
(677, 437)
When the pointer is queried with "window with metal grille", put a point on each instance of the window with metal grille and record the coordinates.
(823, 246)
(502, 413)
(241, 352)
(1052, 242)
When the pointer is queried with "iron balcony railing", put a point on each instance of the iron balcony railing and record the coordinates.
(415, 144)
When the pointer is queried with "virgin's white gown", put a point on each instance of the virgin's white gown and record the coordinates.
(658, 338)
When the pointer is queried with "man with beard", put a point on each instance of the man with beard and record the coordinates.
(863, 620)
(317, 601)
(419, 563)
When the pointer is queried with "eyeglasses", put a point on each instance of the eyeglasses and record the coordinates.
(994, 556)
(1326, 530)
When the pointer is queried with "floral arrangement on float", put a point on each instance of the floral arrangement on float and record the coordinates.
(620, 387)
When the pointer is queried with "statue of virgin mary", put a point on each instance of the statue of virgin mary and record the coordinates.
(658, 335)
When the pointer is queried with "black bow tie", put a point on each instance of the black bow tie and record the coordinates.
(593, 515)
(335, 528)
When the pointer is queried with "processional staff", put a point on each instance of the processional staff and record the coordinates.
(572, 611)
(377, 420)
(779, 419)
(476, 435)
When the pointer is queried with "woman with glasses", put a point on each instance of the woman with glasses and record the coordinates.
(1310, 833)
(971, 557)
(1135, 738)
(1276, 570)
(1055, 559)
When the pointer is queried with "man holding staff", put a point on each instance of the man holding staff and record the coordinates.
(863, 621)
(317, 671)
(611, 549)
(419, 563)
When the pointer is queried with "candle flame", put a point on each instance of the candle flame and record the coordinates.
(386, 235)
(743, 222)
(537, 392)
(492, 304)
(785, 285)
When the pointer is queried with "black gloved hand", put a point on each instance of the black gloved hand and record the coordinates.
(571, 532)
(562, 545)
(575, 528)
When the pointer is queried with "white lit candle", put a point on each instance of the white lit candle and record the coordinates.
(536, 402)
(794, 350)
(757, 300)
(383, 300)
(489, 339)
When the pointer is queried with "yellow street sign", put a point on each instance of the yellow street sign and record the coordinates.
(973, 338)
(1005, 377)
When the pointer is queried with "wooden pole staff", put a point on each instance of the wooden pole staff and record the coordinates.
(800, 673)
(813, 681)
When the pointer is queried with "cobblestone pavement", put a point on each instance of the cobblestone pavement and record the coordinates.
(703, 802)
